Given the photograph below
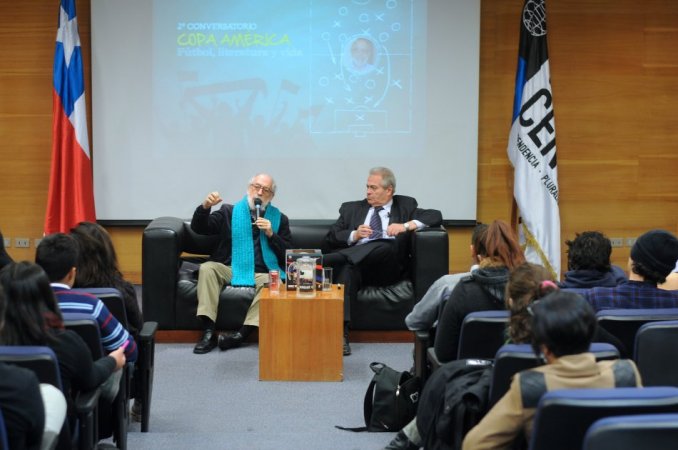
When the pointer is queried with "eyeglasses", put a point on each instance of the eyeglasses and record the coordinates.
(257, 187)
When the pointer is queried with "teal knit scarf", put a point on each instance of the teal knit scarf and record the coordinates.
(242, 255)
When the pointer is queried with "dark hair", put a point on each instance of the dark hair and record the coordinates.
(57, 254)
(4, 256)
(527, 283)
(478, 238)
(649, 275)
(501, 246)
(564, 323)
(589, 250)
(97, 262)
(31, 305)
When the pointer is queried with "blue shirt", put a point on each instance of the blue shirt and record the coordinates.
(631, 295)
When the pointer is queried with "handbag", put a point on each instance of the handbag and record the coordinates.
(390, 401)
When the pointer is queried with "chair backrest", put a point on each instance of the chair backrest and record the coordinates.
(482, 333)
(651, 431)
(113, 299)
(88, 329)
(624, 323)
(563, 416)
(513, 358)
(4, 444)
(41, 360)
(656, 353)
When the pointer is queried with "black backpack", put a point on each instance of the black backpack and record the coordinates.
(390, 401)
(454, 399)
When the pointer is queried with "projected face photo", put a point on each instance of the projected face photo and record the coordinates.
(377, 194)
(362, 55)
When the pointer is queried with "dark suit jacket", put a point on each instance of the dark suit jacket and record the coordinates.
(404, 208)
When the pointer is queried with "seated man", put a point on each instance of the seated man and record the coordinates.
(369, 240)
(563, 325)
(588, 262)
(653, 257)
(57, 254)
(253, 237)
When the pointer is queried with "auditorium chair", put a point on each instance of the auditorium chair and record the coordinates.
(656, 353)
(113, 419)
(481, 335)
(644, 431)
(3, 433)
(564, 415)
(43, 362)
(624, 323)
(142, 378)
(169, 269)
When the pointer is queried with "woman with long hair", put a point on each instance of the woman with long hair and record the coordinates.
(527, 282)
(483, 290)
(97, 267)
(33, 318)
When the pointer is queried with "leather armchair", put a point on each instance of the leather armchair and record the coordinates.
(171, 252)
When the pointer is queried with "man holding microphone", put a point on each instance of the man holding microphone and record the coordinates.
(253, 237)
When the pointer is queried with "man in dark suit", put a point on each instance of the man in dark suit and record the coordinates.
(369, 242)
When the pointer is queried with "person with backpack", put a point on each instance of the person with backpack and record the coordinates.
(563, 325)
(526, 283)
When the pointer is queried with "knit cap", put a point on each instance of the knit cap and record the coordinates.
(657, 250)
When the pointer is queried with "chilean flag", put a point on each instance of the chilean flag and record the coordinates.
(71, 194)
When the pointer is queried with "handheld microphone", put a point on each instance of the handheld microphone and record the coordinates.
(257, 205)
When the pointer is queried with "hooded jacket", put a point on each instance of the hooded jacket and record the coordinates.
(585, 279)
(483, 290)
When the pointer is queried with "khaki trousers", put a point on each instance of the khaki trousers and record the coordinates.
(211, 280)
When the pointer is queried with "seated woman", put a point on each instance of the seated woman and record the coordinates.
(33, 318)
(527, 283)
(483, 290)
(97, 267)
(563, 326)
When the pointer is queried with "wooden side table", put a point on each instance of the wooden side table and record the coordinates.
(300, 339)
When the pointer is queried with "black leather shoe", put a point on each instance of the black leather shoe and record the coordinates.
(401, 442)
(206, 343)
(227, 341)
(347, 347)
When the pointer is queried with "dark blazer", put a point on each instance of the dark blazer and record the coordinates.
(404, 208)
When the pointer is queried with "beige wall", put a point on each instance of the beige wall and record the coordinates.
(614, 71)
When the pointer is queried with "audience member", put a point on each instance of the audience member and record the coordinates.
(33, 318)
(527, 283)
(252, 242)
(653, 257)
(4, 256)
(369, 242)
(671, 283)
(57, 254)
(425, 313)
(97, 267)
(588, 262)
(483, 290)
(563, 326)
(33, 413)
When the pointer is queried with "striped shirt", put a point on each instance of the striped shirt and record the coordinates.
(113, 334)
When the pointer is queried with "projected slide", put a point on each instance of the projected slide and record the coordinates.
(316, 78)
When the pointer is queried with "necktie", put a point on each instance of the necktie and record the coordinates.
(375, 224)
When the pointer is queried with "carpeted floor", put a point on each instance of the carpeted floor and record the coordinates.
(216, 401)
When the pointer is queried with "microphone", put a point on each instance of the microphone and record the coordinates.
(257, 205)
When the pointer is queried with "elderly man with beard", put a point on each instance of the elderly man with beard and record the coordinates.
(254, 235)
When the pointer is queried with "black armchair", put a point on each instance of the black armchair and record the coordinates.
(171, 252)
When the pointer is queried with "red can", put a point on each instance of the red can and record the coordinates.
(273, 280)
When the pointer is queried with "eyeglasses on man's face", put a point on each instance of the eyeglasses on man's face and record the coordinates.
(258, 187)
